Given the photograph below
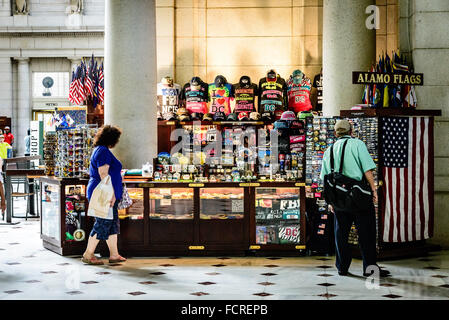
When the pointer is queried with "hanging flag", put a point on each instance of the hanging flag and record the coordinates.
(407, 209)
(88, 83)
(72, 89)
(101, 84)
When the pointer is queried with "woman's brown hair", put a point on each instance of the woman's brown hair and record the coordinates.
(107, 136)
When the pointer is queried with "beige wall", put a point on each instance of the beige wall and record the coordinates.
(238, 37)
(248, 37)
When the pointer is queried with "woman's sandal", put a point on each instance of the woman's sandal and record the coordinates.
(120, 259)
(92, 261)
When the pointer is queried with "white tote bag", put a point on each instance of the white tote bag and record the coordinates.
(99, 204)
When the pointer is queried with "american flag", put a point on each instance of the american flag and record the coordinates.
(101, 84)
(407, 168)
(88, 83)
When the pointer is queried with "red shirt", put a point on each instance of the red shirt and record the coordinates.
(9, 138)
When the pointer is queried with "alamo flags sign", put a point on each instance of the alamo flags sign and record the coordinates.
(413, 79)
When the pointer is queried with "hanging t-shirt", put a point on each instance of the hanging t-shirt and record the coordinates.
(318, 84)
(168, 98)
(220, 97)
(272, 95)
(245, 97)
(299, 95)
(195, 100)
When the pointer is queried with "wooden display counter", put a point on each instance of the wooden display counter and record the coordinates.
(189, 219)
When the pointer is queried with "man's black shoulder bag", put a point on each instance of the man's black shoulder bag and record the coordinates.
(345, 193)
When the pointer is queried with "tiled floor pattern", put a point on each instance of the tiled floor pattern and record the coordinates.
(28, 271)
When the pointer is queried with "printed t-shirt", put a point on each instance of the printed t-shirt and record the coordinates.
(272, 94)
(168, 98)
(244, 96)
(299, 95)
(195, 100)
(318, 84)
(220, 97)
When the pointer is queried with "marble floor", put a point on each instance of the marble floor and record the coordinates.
(30, 272)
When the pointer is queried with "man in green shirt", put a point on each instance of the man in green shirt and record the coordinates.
(357, 164)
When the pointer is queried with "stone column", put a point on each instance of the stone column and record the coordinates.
(24, 106)
(131, 78)
(348, 45)
(74, 61)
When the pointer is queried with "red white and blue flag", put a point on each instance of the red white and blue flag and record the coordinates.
(407, 169)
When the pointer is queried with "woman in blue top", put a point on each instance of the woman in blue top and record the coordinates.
(102, 164)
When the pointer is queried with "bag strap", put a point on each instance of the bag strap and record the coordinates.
(342, 156)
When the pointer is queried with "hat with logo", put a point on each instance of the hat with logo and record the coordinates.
(280, 124)
(196, 116)
(184, 117)
(254, 116)
(243, 116)
(169, 116)
(278, 114)
(266, 116)
(288, 116)
(304, 114)
(207, 117)
(219, 116)
(232, 117)
(181, 111)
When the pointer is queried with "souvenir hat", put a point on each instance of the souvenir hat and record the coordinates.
(243, 116)
(219, 116)
(159, 115)
(207, 117)
(266, 116)
(196, 116)
(169, 116)
(181, 111)
(184, 117)
(254, 116)
(278, 114)
(232, 117)
(304, 114)
(280, 124)
(288, 116)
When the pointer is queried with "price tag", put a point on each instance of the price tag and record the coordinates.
(300, 247)
(192, 185)
(145, 185)
(300, 184)
(254, 247)
(254, 184)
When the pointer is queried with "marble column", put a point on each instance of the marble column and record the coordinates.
(131, 78)
(74, 62)
(348, 45)
(24, 105)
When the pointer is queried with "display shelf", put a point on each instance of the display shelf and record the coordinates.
(390, 112)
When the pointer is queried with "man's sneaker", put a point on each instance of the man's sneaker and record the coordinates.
(342, 273)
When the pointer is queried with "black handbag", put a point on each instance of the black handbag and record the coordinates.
(345, 193)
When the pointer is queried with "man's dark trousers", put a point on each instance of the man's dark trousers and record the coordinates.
(366, 229)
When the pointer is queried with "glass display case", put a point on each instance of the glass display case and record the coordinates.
(137, 209)
(221, 203)
(171, 203)
(278, 215)
(51, 218)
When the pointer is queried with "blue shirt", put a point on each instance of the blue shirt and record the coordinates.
(101, 156)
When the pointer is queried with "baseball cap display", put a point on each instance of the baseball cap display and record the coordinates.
(196, 116)
(288, 116)
(278, 114)
(184, 117)
(219, 116)
(280, 124)
(304, 114)
(207, 117)
(243, 116)
(169, 116)
(254, 116)
(232, 117)
(266, 116)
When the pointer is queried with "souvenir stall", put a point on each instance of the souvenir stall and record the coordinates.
(401, 142)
